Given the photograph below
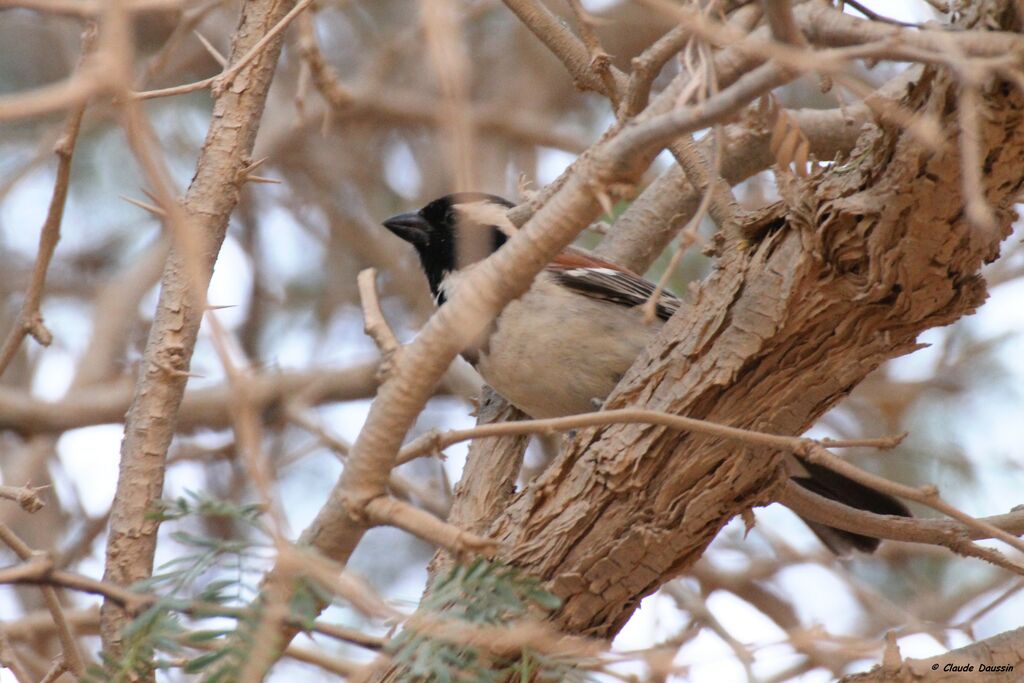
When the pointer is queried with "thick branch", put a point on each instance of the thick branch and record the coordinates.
(209, 202)
(779, 334)
(489, 478)
(200, 408)
(775, 337)
(779, 14)
(86, 9)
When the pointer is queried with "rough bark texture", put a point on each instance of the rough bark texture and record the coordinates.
(152, 418)
(489, 478)
(871, 252)
(492, 466)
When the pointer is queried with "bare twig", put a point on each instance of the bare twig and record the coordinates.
(398, 107)
(393, 512)
(146, 206)
(175, 89)
(247, 425)
(650, 223)
(779, 14)
(432, 442)
(560, 40)
(71, 93)
(404, 488)
(926, 495)
(224, 80)
(643, 141)
(993, 652)
(30, 319)
(71, 656)
(600, 61)
(952, 535)
(10, 660)
(40, 571)
(214, 52)
(55, 671)
(207, 407)
(971, 158)
(26, 496)
(698, 609)
(199, 227)
(190, 19)
(489, 477)
(687, 238)
(263, 635)
(648, 65)
(374, 322)
(295, 561)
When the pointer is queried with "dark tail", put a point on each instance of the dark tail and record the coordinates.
(835, 486)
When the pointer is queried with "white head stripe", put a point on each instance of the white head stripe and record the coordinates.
(487, 213)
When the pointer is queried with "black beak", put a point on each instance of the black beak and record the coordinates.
(411, 227)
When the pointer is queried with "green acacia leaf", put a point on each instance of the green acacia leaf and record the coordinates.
(199, 663)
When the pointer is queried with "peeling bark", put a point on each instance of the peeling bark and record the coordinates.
(873, 251)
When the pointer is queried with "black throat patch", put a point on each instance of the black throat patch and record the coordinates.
(441, 254)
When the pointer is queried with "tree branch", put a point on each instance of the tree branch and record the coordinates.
(386, 510)
(777, 335)
(1003, 650)
(71, 655)
(87, 9)
(208, 203)
(952, 535)
(779, 14)
(200, 408)
(30, 319)
(488, 480)
(27, 497)
(433, 442)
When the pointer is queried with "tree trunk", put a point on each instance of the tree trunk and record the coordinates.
(872, 252)
(866, 255)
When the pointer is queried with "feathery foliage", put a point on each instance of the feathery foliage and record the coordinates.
(482, 593)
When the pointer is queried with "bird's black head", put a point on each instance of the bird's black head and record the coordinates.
(454, 231)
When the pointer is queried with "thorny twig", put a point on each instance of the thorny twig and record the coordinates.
(30, 319)
(71, 655)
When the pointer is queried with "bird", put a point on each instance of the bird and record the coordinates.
(561, 347)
